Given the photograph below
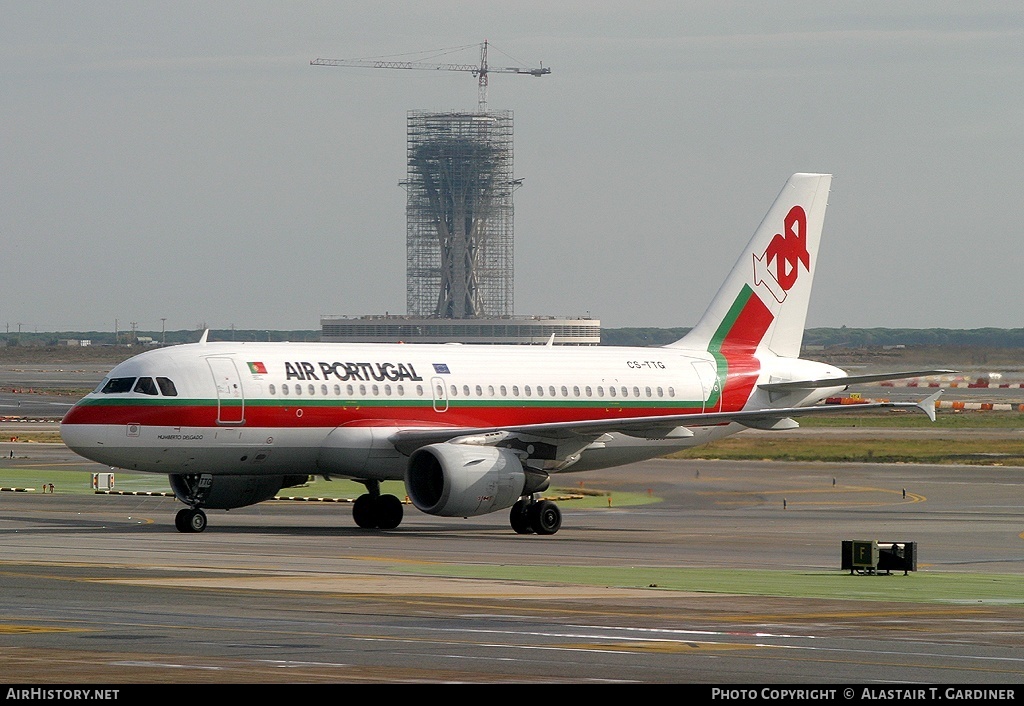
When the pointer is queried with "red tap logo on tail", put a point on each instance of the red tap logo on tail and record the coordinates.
(788, 251)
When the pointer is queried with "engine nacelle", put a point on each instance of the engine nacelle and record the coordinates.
(454, 480)
(228, 492)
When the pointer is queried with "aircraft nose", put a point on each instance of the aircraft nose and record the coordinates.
(74, 436)
(75, 431)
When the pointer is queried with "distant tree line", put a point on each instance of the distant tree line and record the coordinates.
(152, 338)
(649, 336)
(845, 337)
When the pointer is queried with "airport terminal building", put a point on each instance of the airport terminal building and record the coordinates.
(521, 330)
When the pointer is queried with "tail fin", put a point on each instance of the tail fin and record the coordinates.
(763, 303)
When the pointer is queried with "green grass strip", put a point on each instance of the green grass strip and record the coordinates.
(970, 451)
(80, 483)
(925, 587)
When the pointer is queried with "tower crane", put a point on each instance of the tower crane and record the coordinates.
(481, 71)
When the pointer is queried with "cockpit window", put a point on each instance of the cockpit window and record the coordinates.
(146, 386)
(115, 385)
(167, 387)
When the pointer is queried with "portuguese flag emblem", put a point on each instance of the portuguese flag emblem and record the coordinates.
(257, 368)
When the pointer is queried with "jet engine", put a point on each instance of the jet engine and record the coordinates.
(227, 492)
(453, 480)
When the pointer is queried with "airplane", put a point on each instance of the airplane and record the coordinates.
(473, 429)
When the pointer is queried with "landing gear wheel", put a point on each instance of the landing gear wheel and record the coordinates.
(364, 511)
(190, 520)
(545, 517)
(389, 512)
(197, 521)
(519, 517)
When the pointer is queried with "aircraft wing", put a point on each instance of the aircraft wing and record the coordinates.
(657, 427)
(848, 380)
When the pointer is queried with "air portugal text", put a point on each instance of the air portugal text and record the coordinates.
(395, 372)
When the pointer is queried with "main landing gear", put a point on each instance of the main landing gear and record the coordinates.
(375, 511)
(540, 516)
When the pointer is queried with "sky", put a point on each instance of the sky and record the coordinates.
(181, 164)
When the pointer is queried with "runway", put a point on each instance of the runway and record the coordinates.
(99, 589)
(102, 590)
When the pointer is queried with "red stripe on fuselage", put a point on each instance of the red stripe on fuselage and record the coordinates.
(298, 416)
(738, 348)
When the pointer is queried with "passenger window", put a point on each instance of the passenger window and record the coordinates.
(337, 390)
(636, 392)
(589, 391)
(526, 390)
(455, 391)
(146, 386)
(323, 390)
(611, 391)
(515, 390)
(540, 390)
(284, 390)
(575, 391)
(387, 390)
(479, 391)
(117, 385)
(298, 389)
(600, 391)
(376, 390)
(350, 390)
(167, 388)
(273, 390)
(312, 390)
(551, 390)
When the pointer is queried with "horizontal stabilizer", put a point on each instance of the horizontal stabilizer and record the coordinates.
(848, 380)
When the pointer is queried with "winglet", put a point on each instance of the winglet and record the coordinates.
(928, 405)
(206, 333)
(551, 341)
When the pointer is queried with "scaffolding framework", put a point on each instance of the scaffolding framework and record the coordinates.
(459, 232)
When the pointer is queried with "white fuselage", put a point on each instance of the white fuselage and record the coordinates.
(251, 408)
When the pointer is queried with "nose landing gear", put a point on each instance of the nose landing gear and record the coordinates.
(190, 520)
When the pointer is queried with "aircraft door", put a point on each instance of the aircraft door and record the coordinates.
(440, 394)
(230, 398)
(707, 372)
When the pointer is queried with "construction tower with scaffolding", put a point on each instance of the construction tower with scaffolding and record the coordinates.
(459, 215)
(459, 233)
